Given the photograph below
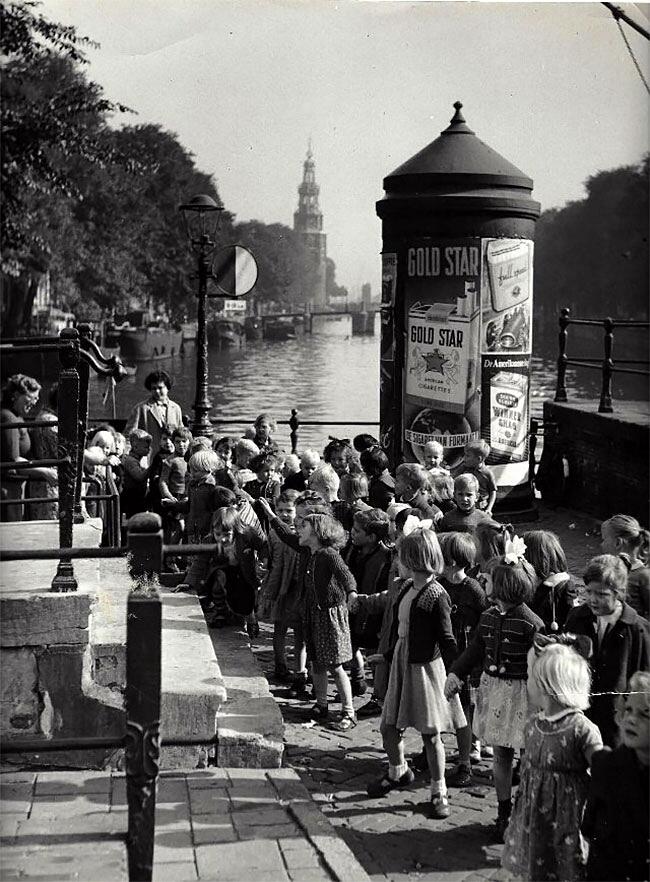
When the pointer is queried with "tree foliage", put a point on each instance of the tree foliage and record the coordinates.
(592, 255)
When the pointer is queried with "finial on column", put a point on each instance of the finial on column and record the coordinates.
(458, 116)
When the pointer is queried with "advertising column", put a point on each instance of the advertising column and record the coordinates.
(506, 338)
(441, 401)
(387, 353)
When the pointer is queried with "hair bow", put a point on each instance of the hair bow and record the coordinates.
(345, 441)
(580, 642)
(412, 523)
(514, 550)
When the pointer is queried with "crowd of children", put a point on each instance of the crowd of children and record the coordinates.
(468, 628)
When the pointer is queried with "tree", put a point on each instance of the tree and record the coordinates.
(281, 259)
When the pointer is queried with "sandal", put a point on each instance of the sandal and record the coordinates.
(347, 721)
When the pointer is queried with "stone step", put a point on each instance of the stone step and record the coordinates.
(250, 729)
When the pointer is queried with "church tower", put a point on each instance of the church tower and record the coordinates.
(308, 223)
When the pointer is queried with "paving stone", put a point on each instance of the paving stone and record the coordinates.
(274, 831)
(239, 860)
(176, 871)
(262, 817)
(64, 806)
(208, 829)
(172, 845)
(209, 802)
(75, 783)
(200, 778)
(9, 824)
(302, 874)
(172, 790)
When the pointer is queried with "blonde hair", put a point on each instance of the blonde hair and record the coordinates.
(562, 673)
(325, 481)
(103, 438)
(420, 552)
(466, 480)
(204, 461)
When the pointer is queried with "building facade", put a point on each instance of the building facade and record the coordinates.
(308, 223)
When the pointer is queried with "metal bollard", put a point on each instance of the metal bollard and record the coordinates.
(142, 753)
(145, 543)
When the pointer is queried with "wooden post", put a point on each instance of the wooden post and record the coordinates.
(294, 425)
(560, 390)
(605, 405)
(68, 440)
(142, 701)
(84, 377)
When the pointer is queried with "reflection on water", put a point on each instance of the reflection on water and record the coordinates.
(324, 377)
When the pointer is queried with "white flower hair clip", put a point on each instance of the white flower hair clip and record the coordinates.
(412, 523)
(515, 549)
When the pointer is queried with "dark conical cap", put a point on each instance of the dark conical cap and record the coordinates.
(457, 154)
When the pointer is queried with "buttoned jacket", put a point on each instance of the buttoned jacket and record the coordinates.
(144, 416)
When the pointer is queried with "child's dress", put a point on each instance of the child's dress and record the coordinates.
(415, 695)
(501, 643)
(543, 840)
(327, 582)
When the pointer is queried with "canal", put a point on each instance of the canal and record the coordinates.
(325, 377)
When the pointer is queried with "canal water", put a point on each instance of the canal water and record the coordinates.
(327, 378)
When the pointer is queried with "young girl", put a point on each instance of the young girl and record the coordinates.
(554, 593)
(265, 485)
(326, 584)
(339, 454)
(623, 535)
(421, 645)
(264, 426)
(619, 636)
(468, 602)
(501, 642)
(543, 840)
(616, 816)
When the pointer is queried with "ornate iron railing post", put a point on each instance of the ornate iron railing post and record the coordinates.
(84, 378)
(68, 440)
(605, 405)
(560, 390)
(142, 697)
(294, 425)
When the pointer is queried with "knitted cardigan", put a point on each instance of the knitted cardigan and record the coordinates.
(501, 643)
(430, 631)
(333, 581)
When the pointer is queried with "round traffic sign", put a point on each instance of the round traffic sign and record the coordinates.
(234, 270)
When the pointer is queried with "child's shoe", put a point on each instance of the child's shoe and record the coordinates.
(461, 776)
(299, 687)
(282, 674)
(372, 708)
(475, 752)
(359, 686)
(319, 713)
(439, 807)
(384, 785)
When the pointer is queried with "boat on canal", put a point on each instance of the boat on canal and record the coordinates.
(279, 328)
(150, 341)
(226, 333)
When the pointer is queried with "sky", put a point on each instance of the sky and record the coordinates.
(245, 83)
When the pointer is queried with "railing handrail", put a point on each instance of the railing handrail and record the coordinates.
(607, 365)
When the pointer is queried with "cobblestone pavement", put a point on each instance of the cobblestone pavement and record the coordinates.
(391, 837)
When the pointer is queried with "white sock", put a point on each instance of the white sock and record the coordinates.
(396, 772)
(439, 788)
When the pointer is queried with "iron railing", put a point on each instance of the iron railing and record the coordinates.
(141, 740)
(607, 365)
(77, 354)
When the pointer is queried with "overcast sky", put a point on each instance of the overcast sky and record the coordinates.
(245, 84)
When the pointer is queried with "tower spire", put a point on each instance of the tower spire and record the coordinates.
(308, 223)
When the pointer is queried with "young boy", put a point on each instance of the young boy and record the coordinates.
(136, 473)
(465, 517)
(173, 483)
(265, 484)
(369, 560)
(309, 462)
(474, 455)
(381, 484)
(619, 636)
(433, 459)
(411, 484)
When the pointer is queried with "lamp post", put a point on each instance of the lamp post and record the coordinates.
(201, 216)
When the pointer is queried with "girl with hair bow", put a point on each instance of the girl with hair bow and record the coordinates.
(543, 840)
(500, 644)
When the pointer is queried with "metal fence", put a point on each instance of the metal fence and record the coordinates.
(607, 365)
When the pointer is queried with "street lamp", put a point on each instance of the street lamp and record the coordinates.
(201, 216)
